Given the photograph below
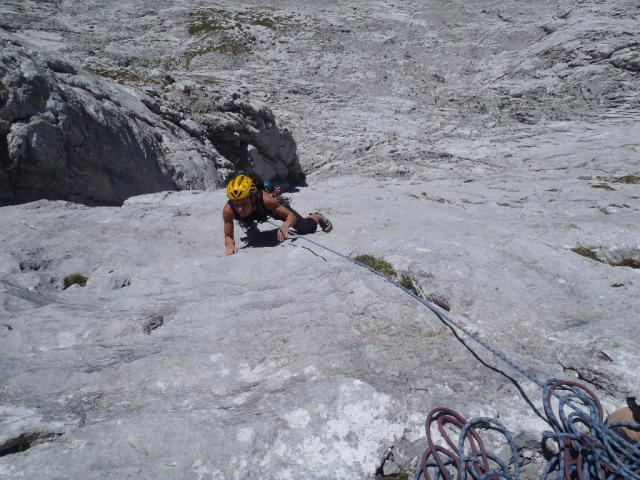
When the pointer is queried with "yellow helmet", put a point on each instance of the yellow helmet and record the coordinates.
(241, 187)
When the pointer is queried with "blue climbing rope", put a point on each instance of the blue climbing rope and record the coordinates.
(584, 446)
(580, 446)
(439, 312)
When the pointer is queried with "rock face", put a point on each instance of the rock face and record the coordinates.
(69, 139)
(67, 134)
(179, 362)
(492, 152)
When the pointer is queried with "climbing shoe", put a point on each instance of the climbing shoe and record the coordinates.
(325, 223)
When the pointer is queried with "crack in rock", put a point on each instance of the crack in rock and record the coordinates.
(35, 265)
(25, 441)
(600, 380)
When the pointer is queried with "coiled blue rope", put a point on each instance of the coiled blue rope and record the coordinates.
(586, 447)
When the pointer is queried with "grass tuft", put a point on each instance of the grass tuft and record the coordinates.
(385, 268)
(407, 283)
(586, 252)
(377, 264)
(265, 22)
(206, 25)
(627, 179)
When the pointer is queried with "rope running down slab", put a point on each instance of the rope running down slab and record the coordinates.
(585, 447)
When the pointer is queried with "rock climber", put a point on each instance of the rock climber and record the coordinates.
(248, 204)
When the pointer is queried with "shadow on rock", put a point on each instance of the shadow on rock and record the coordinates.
(258, 239)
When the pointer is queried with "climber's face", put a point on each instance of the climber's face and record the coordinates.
(244, 207)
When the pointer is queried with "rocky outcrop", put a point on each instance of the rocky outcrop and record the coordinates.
(68, 134)
(243, 131)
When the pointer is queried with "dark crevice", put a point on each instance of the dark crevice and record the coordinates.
(307, 248)
(153, 322)
(628, 262)
(25, 441)
(599, 380)
(34, 265)
(615, 259)
(236, 152)
(622, 47)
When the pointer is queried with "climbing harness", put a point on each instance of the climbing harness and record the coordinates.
(580, 445)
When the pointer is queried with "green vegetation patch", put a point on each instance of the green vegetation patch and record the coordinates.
(225, 32)
(265, 22)
(603, 186)
(377, 264)
(120, 75)
(207, 25)
(75, 278)
(586, 252)
(386, 269)
(2, 87)
(217, 21)
(627, 179)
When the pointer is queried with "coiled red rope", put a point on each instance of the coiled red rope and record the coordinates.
(581, 446)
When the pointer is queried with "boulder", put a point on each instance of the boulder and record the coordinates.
(67, 134)
(627, 58)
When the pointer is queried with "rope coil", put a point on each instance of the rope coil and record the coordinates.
(586, 446)
(468, 458)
